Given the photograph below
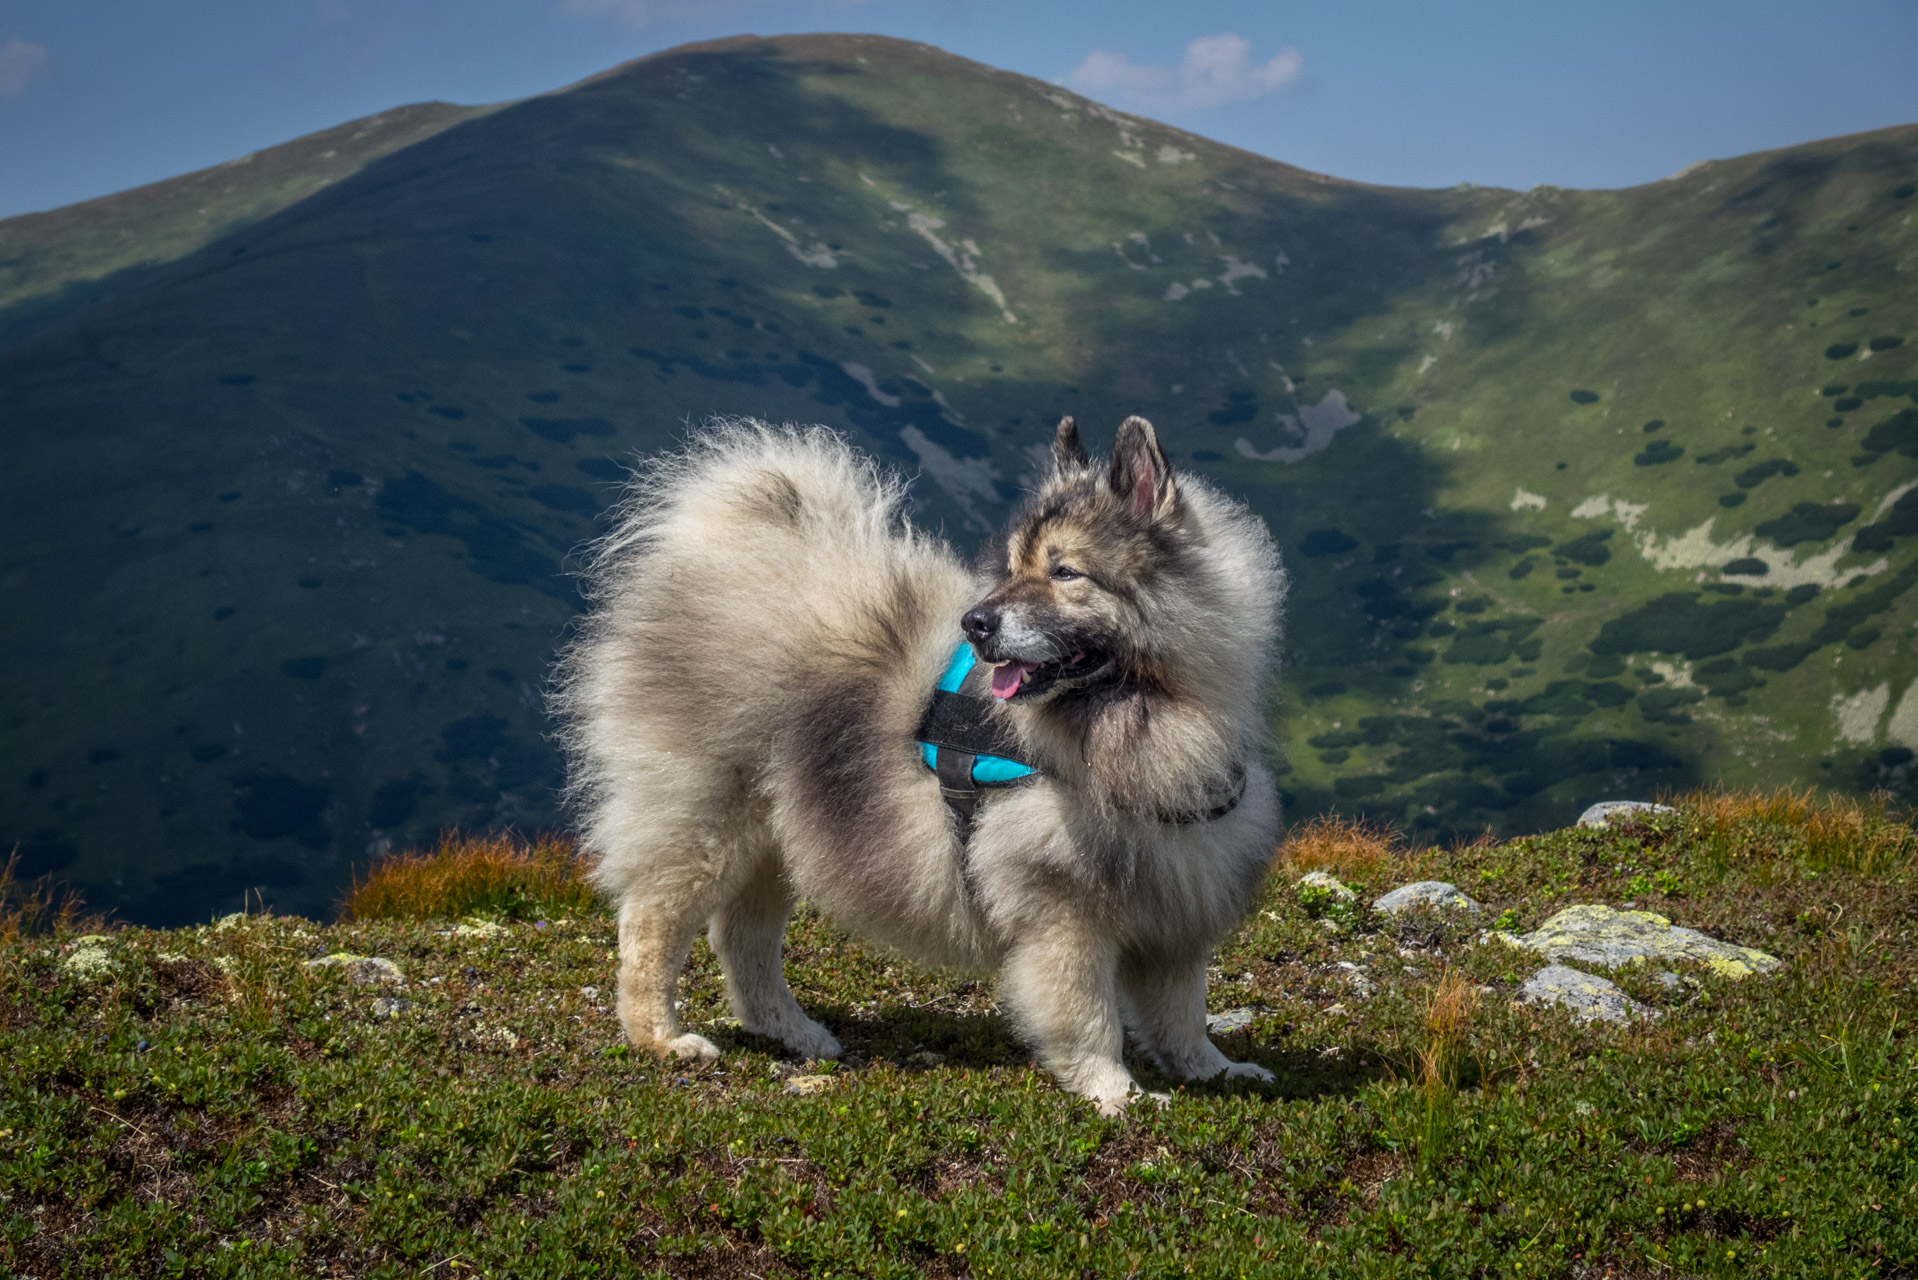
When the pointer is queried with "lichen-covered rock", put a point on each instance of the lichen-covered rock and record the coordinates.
(1424, 893)
(804, 1085)
(1600, 935)
(477, 928)
(1590, 998)
(1320, 882)
(390, 1007)
(361, 971)
(1231, 1020)
(1600, 814)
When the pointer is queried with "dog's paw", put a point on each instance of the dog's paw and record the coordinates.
(696, 1047)
(813, 1041)
(1247, 1071)
(1117, 1105)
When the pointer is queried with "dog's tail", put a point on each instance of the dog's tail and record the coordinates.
(757, 579)
(749, 487)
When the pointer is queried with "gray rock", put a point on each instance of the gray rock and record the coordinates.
(1600, 935)
(390, 1007)
(361, 971)
(1355, 975)
(1330, 884)
(1600, 814)
(1231, 1020)
(1424, 893)
(1589, 998)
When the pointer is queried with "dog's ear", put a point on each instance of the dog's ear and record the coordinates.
(1140, 475)
(1068, 454)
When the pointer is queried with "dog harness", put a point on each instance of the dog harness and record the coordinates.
(970, 753)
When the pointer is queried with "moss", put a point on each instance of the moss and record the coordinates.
(270, 805)
(1725, 453)
(1898, 432)
(562, 430)
(1240, 406)
(1680, 623)
(1808, 522)
(1587, 550)
(1663, 705)
(1779, 657)
(1327, 542)
(1753, 476)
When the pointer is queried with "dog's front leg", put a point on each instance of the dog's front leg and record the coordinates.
(1060, 983)
(1167, 995)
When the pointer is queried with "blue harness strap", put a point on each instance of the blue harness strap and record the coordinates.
(958, 723)
(970, 752)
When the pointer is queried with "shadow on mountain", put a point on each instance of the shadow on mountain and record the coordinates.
(288, 520)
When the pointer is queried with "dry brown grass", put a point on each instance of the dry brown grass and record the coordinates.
(1448, 1028)
(1831, 831)
(468, 875)
(1442, 1059)
(1347, 848)
(40, 906)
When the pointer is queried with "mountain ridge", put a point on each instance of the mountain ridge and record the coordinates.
(289, 513)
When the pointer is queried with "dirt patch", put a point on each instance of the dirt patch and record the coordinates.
(1714, 1150)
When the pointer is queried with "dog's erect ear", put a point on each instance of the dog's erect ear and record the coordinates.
(1140, 475)
(1067, 453)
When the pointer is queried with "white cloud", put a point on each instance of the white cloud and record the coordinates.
(20, 63)
(1215, 70)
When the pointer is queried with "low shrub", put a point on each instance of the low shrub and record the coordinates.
(494, 875)
(1352, 850)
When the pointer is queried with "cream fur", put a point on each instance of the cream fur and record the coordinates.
(740, 707)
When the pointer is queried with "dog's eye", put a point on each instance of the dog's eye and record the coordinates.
(1064, 573)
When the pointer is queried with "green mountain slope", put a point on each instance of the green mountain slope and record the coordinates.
(1584, 492)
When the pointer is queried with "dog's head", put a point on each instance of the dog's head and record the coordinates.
(1087, 567)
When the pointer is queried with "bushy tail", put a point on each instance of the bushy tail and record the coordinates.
(747, 481)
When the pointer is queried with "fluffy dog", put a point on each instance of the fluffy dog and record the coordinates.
(741, 708)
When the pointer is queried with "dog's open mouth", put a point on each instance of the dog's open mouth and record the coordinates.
(1014, 679)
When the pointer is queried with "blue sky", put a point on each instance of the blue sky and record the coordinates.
(100, 95)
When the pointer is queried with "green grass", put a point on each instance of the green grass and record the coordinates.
(211, 1106)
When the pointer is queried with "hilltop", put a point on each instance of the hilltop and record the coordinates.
(1584, 493)
(267, 1096)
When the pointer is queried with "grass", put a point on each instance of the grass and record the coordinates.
(32, 908)
(494, 875)
(207, 1104)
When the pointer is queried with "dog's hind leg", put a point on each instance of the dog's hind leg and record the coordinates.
(655, 938)
(745, 933)
(1167, 995)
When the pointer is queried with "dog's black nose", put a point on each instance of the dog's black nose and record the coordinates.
(980, 624)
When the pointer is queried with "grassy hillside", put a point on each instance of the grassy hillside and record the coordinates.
(1585, 493)
(208, 1102)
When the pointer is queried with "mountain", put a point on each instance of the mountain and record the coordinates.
(1585, 493)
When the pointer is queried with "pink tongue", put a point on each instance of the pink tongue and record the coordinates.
(1005, 678)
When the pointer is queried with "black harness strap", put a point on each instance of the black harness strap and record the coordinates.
(960, 791)
(960, 722)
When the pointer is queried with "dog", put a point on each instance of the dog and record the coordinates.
(743, 704)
